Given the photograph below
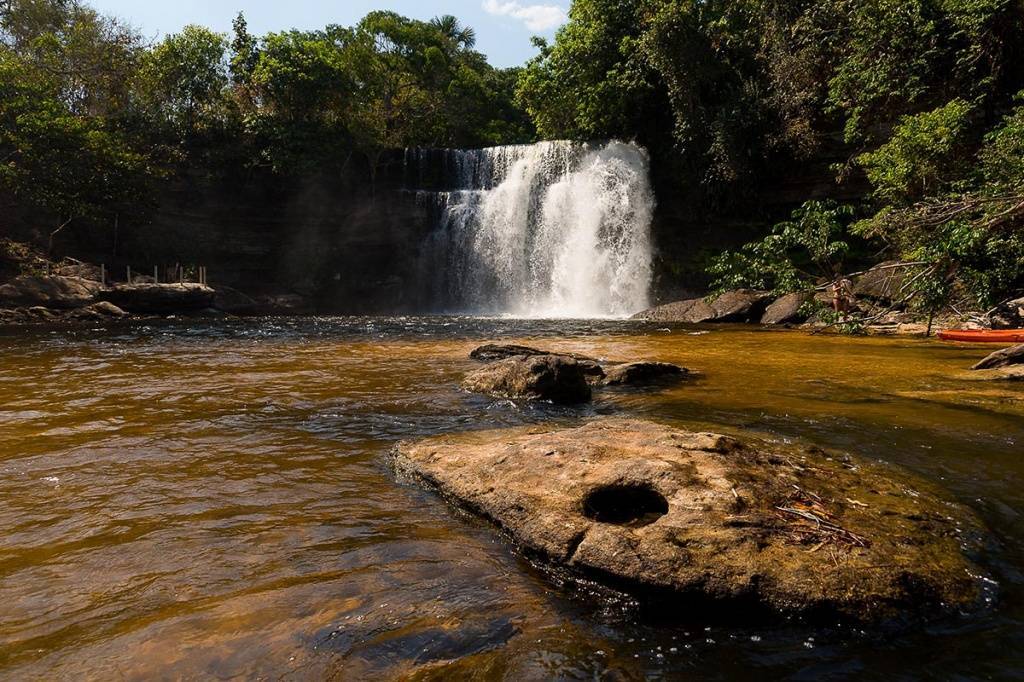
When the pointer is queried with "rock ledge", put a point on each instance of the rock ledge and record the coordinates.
(702, 515)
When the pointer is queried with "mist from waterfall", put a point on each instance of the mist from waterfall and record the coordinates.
(554, 229)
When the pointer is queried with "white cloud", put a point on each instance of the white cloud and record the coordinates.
(536, 17)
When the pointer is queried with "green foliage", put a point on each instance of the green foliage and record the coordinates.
(971, 234)
(843, 323)
(797, 254)
(1002, 156)
(54, 158)
(593, 82)
(183, 78)
(923, 156)
(90, 115)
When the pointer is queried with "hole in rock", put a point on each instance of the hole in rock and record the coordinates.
(625, 505)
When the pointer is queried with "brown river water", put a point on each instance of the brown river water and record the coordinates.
(197, 500)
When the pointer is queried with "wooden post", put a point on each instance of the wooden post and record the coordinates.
(103, 274)
(181, 275)
(129, 274)
(156, 275)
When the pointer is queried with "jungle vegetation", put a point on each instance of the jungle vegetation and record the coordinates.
(917, 104)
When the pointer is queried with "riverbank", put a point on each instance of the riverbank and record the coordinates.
(876, 302)
(36, 290)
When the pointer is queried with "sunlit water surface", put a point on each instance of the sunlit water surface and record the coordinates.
(213, 499)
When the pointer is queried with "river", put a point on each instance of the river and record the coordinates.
(213, 499)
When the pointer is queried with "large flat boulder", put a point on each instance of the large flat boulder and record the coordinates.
(787, 308)
(160, 298)
(741, 305)
(1005, 357)
(489, 352)
(664, 511)
(555, 378)
(643, 373)
(1008, 373)
(50, 291)
(692, 311)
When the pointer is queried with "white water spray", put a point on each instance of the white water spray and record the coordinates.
(555, 229)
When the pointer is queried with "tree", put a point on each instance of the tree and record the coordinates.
(798, 254)
(183, 78)
(68, 167)
(450, 27)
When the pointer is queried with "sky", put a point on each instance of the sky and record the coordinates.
(503, 27)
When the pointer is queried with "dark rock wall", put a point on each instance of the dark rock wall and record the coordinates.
(349, 244)
(344, 243)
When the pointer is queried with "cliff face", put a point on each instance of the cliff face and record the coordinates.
(346, 247)
(343, 243)
(347, 244)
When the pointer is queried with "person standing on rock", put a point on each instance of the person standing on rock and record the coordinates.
(842, 297)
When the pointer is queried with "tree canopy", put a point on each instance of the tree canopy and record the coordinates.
(913, 100)
(906, 114)
(90, 113)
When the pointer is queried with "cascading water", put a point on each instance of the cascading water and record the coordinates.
(554, 229)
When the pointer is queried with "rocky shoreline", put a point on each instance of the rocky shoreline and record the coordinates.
(729, 522)
(54, 299)
(875, 304)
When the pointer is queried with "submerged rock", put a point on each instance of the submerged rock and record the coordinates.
(1008, 373)
(160, 298)
(50, 291)
(634, 373)
(97, 312)
(491, 351)
(557, 378)
(650, 508)
(1005, 357)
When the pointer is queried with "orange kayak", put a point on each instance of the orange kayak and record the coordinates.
(983, 335)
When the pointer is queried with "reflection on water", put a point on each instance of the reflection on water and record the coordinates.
(194, 500)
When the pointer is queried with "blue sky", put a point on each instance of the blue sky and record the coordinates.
(503, 27)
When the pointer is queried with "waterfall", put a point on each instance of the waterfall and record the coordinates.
(554, 229)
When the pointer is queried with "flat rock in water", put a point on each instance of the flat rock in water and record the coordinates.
(1005, 357)
(557, 378)
(1009, 373)
(651, 508)
(491, 352)
(638, 373)
(97, 312)
(160, 298)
